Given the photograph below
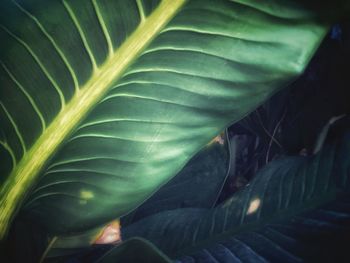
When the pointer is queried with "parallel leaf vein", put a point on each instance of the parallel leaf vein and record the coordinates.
(40, 64)
(70, 117)
(104, 27)
(27, 95)
(53, 42)
(120, 120)
(82, 35)
(223, 34)
(10, 151)
(103, 136)
(62, 182)
(89, 159)
(71, 170)
(15, 127)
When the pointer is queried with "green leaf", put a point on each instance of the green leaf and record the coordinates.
(278, 197)
(320, 235)
(102, 102)
(206, 171)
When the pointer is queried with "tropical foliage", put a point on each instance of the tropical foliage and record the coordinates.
(104, 102)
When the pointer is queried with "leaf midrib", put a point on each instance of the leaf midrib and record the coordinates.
(28, 169)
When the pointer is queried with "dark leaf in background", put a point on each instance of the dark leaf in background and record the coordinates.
(281, 193)
(27, 242)
(321, 235)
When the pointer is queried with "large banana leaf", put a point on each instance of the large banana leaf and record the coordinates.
(102, 102)
(296, 209)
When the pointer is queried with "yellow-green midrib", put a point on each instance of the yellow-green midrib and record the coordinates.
(27, 170)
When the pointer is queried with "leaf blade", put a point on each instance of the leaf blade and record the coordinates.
(75, 111)
(179, 104)
(283, 201)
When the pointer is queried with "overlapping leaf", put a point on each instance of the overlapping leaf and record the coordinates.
(320, 235)
(266, 221)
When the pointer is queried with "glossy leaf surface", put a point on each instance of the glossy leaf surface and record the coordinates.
(102, 102)
(206, 172)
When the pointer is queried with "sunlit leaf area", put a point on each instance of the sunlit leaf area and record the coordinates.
(184, 131)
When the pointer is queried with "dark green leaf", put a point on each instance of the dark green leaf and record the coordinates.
(206, 172)
(321, 235)
(281, 193)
